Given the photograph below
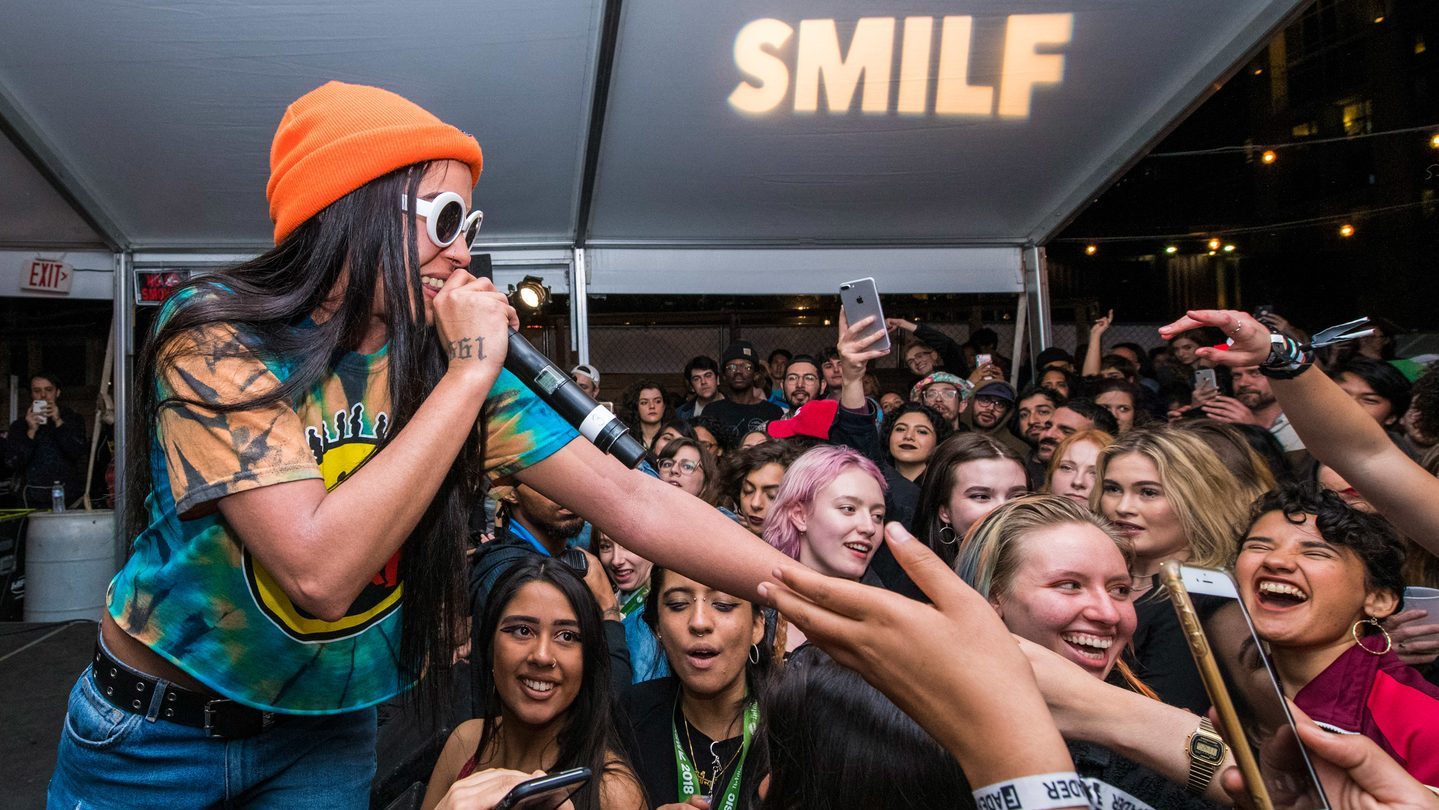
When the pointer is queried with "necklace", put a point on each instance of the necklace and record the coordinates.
(707, 779)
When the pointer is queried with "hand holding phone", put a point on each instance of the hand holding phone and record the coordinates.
(41, 409)
(544, 792)
(981, 360)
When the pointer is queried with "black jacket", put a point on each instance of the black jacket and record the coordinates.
(646, 717)
(55, 454)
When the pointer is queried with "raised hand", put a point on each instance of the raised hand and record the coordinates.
(854, 345)
(1101, 325)
(1229, 409)
(1250, 345)
(887, 638)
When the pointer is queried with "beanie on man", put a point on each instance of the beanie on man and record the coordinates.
(338, 137)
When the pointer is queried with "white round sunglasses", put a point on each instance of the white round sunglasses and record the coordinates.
(446, 218)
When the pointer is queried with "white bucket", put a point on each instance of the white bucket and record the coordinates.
(69, 561)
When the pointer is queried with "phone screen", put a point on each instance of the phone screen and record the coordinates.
(1253, 688)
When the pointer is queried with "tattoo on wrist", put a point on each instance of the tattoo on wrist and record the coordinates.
(466, 349)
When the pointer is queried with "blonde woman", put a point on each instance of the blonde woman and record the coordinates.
(1058, 575)
(1168, 493)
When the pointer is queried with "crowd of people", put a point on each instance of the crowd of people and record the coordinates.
(819, 594)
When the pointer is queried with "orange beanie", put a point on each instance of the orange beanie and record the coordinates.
(339, 137)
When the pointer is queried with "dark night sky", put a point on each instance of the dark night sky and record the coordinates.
(1343, 67)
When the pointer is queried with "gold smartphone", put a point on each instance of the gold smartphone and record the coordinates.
(1253, 716)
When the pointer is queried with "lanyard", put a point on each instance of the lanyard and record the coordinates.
(636, 600)
(689, 783)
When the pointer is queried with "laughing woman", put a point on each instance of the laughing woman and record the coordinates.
(1059, 577)
(630, 574)
(545, 677)
(1318, 577)
(693, 733)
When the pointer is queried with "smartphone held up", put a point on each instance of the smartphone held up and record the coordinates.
(860, 299)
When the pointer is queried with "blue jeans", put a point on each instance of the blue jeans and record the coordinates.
(113, 758)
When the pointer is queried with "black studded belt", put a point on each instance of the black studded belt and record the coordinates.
(134, 692)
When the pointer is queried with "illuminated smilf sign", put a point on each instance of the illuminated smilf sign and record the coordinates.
(870, 60)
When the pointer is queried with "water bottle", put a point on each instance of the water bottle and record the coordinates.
(57, 497)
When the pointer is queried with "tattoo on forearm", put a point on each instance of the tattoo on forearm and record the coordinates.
(466, 349)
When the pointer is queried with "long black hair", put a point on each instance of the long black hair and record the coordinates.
(836, 742)
(587, 737)
(353, 247)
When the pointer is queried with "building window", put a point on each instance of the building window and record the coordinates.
(1356, 116)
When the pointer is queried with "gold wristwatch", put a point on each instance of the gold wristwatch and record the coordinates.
(1206, 753)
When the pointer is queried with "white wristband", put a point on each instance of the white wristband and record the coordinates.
(1044, 791)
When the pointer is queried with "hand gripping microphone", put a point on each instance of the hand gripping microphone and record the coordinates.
(593, 420)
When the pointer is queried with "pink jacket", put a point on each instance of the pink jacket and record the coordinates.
(1384, 699)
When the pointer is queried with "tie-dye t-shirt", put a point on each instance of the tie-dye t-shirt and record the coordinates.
(194, 594)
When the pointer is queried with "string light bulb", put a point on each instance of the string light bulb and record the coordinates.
(1228, 248)
(1091, 249)
(1268, 157)
(1171, 249)
(1213, 245)
(1434, 140)
(1346, 230)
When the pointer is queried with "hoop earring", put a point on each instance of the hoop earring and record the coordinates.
(1354, 631)
(754, 654)
(952, 538)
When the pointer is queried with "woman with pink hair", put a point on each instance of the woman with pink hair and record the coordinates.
(829, 515)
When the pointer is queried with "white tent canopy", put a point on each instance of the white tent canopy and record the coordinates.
(801, 126)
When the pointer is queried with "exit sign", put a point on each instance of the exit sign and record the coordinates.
(47, 275)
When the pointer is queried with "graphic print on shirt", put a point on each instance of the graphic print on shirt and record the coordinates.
(340, 445)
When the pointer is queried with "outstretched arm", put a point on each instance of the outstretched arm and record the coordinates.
(1140, 728)
(1334, 429)
(659, 522)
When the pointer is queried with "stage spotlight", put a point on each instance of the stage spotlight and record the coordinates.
(530, 294)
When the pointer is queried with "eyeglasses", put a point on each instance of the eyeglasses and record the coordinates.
(738, 366)
(685, 467)
(809, 378)
(990, 402)
(940, 394)
(446, 218)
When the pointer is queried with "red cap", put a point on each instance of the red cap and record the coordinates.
(813, 418)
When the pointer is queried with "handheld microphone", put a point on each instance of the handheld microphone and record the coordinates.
(593, 420)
